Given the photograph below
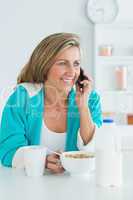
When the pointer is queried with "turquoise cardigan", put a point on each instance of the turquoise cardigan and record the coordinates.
(22, 120)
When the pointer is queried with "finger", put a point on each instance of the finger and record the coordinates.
(52, 158)
(87, 89)
(55, 168)
(86, 85)
(53, 155)
(59, 171)
(78, 89)
(85, 82)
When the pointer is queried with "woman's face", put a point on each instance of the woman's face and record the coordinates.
(65, 70)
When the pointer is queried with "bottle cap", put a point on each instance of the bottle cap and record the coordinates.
(108, 120)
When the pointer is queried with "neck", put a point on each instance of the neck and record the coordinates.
(54, 97)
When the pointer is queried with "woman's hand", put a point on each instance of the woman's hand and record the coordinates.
(87, 126)
(53, 164)
(82, 93)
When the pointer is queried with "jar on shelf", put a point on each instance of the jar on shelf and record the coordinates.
(105, 50)
(130, 118)
(121, 77)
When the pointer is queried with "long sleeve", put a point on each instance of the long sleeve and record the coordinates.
(94, 105)
(13, 127)
(18, 159)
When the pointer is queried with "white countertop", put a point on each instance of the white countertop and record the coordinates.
(14, 185)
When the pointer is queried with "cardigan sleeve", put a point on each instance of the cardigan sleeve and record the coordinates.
(18, 158)
(13, 126)
(94, 105)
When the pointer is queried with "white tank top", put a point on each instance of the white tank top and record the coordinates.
(52, 140)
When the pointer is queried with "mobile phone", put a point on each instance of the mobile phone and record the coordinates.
(82, 77)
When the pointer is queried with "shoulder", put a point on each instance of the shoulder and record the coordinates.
(24, 90)
(31, 89)
(18, 94)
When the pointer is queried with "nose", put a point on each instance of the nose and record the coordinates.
(71, 70)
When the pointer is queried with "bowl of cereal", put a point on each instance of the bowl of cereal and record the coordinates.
(78, 162)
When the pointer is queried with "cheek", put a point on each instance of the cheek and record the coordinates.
(55, 73)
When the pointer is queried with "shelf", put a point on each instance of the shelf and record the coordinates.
(115, 59)
(119, 36)
(116, 25)
(115, 92)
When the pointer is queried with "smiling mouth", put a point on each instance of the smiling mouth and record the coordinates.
(68, 81)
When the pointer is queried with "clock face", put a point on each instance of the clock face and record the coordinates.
(102, 11)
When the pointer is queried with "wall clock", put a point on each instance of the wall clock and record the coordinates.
(102, 11)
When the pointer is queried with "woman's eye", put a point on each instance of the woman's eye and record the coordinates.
(61, 63)
(76, 64)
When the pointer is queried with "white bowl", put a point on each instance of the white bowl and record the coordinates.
(78, 165)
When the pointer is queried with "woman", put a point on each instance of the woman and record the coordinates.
(46, 108)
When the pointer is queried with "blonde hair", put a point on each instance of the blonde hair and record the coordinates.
(42, 58)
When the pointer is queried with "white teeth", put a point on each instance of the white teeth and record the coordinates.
(68, 80)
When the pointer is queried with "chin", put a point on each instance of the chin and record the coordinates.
(66, 90)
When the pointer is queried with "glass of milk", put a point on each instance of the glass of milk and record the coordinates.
(108, 155)
(108, 168)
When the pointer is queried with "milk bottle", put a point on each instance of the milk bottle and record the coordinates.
(108, 155)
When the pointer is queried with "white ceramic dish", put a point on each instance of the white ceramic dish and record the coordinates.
(75, 165)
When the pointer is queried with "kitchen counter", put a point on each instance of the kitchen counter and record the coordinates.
(14, 185)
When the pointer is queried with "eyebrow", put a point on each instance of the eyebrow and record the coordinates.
(66, 60)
